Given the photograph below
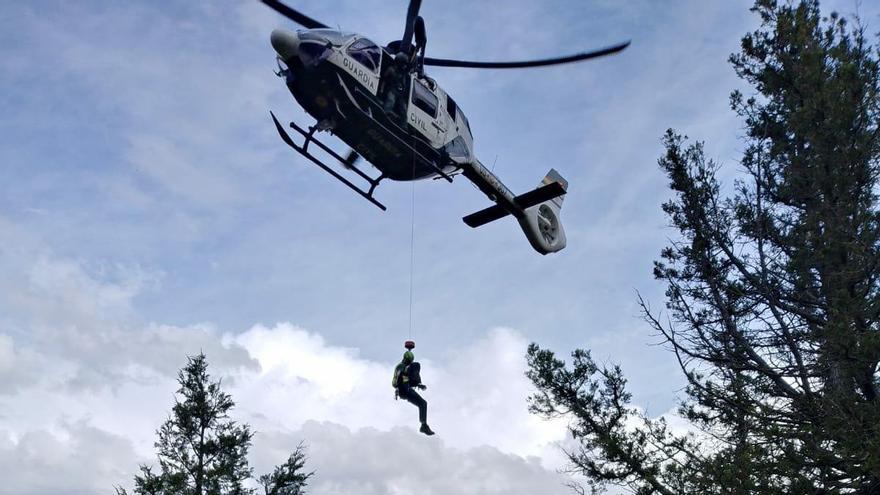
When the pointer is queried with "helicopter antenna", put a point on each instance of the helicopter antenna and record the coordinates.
(493, 163)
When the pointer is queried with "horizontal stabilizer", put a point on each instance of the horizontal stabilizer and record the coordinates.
(539, 195)
(523, 201)
(485, 216)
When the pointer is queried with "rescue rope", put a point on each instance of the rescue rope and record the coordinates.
(412, 237)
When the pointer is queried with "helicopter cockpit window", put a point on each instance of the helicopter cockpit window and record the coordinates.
(424, 99)
(450, 106)
(366, 53)
(465, 120)
(325, 35)
(458, 150)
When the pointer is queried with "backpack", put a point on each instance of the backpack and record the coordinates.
(400, 375)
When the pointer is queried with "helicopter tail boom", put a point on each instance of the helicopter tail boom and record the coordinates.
(537, 211)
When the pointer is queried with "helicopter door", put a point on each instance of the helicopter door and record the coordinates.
(423, 113)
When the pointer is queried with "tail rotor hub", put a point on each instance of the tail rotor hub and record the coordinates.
(548, 224)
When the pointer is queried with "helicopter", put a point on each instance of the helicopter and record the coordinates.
(380, 102)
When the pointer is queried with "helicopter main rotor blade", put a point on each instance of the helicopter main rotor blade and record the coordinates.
(411, 13)
(419, 32)
(443, 62)
(294, 15)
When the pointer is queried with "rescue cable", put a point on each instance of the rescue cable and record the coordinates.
(412, 237)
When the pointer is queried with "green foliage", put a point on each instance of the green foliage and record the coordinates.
(772, 306)
(201, 451)
(597, 401)
(288, 478)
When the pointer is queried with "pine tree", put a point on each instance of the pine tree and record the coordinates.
(772, 302)
(288, 478)
(200, 450)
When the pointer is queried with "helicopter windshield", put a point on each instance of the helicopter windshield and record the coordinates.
(333, 36)
(366, 53)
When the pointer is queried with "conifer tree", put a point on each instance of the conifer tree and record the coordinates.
(772, 302)
(201, 451)
(289, 478)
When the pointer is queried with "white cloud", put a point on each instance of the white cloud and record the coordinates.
(486, 441)
(7, 353)
(71, 325)
(476, 398)
(79, 460)
(91, 379)
(400, 461)
(83, 373)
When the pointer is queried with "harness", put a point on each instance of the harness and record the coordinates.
(401, 376)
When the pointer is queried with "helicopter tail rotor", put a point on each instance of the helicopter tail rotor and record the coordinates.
(541, 223)
(537, 211)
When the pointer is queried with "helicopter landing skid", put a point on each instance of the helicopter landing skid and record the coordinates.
(304, 151)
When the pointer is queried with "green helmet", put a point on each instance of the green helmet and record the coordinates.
(408, 357)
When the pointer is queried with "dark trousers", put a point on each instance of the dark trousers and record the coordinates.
(413, 397)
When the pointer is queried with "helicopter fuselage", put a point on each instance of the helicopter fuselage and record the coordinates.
(357, 91)
(380, 103)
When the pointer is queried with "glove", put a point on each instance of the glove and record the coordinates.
(421, 386)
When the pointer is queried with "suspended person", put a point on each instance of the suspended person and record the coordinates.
(406, 380)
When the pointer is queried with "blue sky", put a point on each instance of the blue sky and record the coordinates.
(149, 210)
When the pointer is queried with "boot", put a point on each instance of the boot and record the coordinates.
(426, 429)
